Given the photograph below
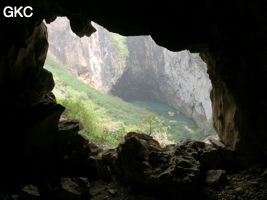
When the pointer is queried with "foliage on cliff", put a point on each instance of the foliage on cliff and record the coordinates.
(120, 43)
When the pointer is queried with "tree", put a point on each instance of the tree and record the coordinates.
(153, 124)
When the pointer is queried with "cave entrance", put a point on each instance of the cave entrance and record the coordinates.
(115, 84)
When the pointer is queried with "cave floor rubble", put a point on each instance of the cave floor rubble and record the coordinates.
(248, 184)
(138, 169)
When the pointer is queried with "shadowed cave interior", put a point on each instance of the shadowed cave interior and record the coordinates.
(39, 151)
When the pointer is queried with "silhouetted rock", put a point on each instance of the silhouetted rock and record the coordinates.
(215, 177)
(29, 192)
(74, 188)
(76, 156)
(142, 162)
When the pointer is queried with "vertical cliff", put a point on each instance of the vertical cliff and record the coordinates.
(134, 68)
(177, 78)
(98, 60)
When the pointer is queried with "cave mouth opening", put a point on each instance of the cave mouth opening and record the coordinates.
(115, 84)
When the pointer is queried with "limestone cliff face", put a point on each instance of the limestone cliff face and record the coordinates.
(96, 60)
(187, 84)
(134, 68)
(177, 78)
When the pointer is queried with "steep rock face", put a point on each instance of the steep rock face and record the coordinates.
(235, 95)
(96, 60)
(31, 54)
(188, 85)
(177, 78)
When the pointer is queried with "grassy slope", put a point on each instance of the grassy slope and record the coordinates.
(114, 106)
(177, 130)
(113, 110)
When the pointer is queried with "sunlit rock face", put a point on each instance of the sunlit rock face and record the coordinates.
(95, 59)
(192, 85)
(134, 68)
(177, 78)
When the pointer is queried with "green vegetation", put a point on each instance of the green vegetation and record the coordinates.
(107, 118)
(153, 124)
(179, 126)
(90, 119)
(119, 42)
(119, 48)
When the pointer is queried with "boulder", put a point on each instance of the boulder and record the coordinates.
(215, 177)
(29, 192)
(75, 155)
(74, 188)
(142, 162)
